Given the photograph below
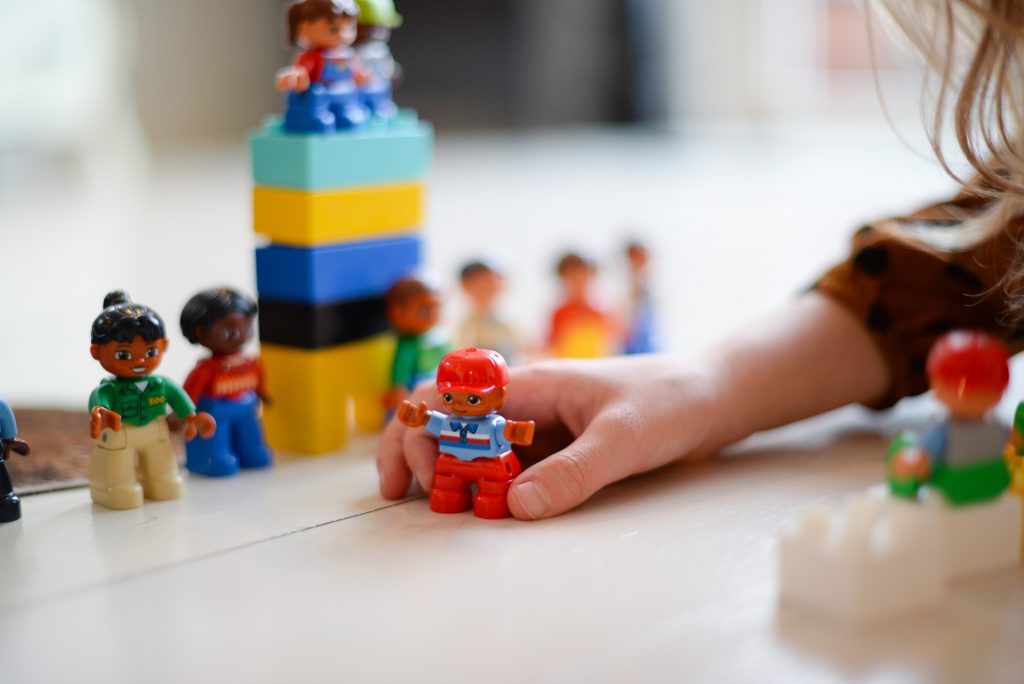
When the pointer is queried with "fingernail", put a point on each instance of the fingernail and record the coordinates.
(534, 499)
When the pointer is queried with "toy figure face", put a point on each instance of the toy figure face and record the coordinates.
(576, 279)
(416, 315)
(327, 33)
(130, 360)
(371, 32)
(966, 404)
(638, 259)
(469, 404)
(483, 289)
(227, 335)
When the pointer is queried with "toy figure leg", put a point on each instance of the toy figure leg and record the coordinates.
(309, 112)
(377, 99)
(247, 433)
(972, 484)
(158, 463)
(10, 505)
(348, 111)
(491, 500)
(112, 480)
(450, 493)
(213, 457)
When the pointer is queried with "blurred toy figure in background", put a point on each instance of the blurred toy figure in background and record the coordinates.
(579, 329)
(962, 457)
(413, 308)
(128, 411)
(482, 283)
(377, 18)
(323, 96)
(228, 385)
(10, 504)
(474, 441)
(640, 331)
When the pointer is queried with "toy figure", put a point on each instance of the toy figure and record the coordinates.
(323, 96)
(377, 18)
(228, 385)
(963, 456)
(414, 307)
(128, 411)
(475, 442)
(482, 284)
(640, 335)
(10, 505)
(578, 328)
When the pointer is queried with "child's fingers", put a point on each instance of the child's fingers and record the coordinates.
(569, 477)
(420, 454)
(395, 475)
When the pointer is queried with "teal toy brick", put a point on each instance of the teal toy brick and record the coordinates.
(393, 151)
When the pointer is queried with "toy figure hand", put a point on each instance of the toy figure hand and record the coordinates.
(394, 397)
(102, 419)
(520, 431)
(293, 78)
(265, 398)
(414, 415)
(202, 423)
(15, 445)
(596, 422)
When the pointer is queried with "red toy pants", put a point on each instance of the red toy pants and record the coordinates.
(493, 477)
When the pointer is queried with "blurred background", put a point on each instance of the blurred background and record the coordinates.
(743, 140)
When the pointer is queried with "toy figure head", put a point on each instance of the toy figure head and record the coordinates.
(322, 24)
(128, 339)
(377, 18)
(472, 381)
(482, 284)
(220, 319)
(414, 306)
(638, 256)
(576, 271)
(968, 372)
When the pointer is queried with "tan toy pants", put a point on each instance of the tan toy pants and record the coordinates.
(116, 481)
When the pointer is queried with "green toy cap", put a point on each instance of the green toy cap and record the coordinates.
(379, 13)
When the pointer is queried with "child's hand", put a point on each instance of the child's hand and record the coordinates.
(597, 422)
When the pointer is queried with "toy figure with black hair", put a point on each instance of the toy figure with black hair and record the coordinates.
(10, 504)
(323, 96)
(228, 385)
(129, 409)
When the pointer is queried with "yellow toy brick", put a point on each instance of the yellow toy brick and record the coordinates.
(308, 218)
(316, 392)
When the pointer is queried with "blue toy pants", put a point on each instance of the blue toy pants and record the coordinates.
(377, 99)
(323, 109)
(238, 440)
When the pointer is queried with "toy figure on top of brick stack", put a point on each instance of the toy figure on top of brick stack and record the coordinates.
(377, 18)
(322, 84)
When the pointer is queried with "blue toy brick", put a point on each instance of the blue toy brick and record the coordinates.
(395, 151)
(317, 275)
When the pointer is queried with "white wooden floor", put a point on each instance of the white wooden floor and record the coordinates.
(302, 574)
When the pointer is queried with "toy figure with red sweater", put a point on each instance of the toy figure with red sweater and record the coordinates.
(228, 385)
(475, 442)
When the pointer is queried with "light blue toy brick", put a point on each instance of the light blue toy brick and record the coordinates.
(393, 151)
(332, 273)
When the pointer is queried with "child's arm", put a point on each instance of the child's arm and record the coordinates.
(632, 414)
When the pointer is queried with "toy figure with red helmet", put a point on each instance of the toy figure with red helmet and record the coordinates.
(475, 442)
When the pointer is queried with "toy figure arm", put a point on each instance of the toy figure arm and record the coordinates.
(520, 432)
(101, 416)
(180, 402)
(415, 415)
(261, 383)
(199, 380)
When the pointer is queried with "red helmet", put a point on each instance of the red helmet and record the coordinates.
(972, 360)
(477, 371)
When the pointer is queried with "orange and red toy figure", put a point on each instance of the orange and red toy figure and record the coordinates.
(579, 329)
(475, 442)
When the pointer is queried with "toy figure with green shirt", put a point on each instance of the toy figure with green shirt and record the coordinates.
(414, 307)
(129, 410)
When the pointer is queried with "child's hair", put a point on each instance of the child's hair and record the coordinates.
(122, 320)
(476, 267)
(313, 10)
(571, 260)
(209, 306)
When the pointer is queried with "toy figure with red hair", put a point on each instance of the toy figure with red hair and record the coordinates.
(475, 442)
(962, 457)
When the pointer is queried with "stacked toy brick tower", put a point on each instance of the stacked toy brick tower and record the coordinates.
(342, 212)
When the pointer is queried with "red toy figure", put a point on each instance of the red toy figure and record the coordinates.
(475, 442)
(578, 328)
